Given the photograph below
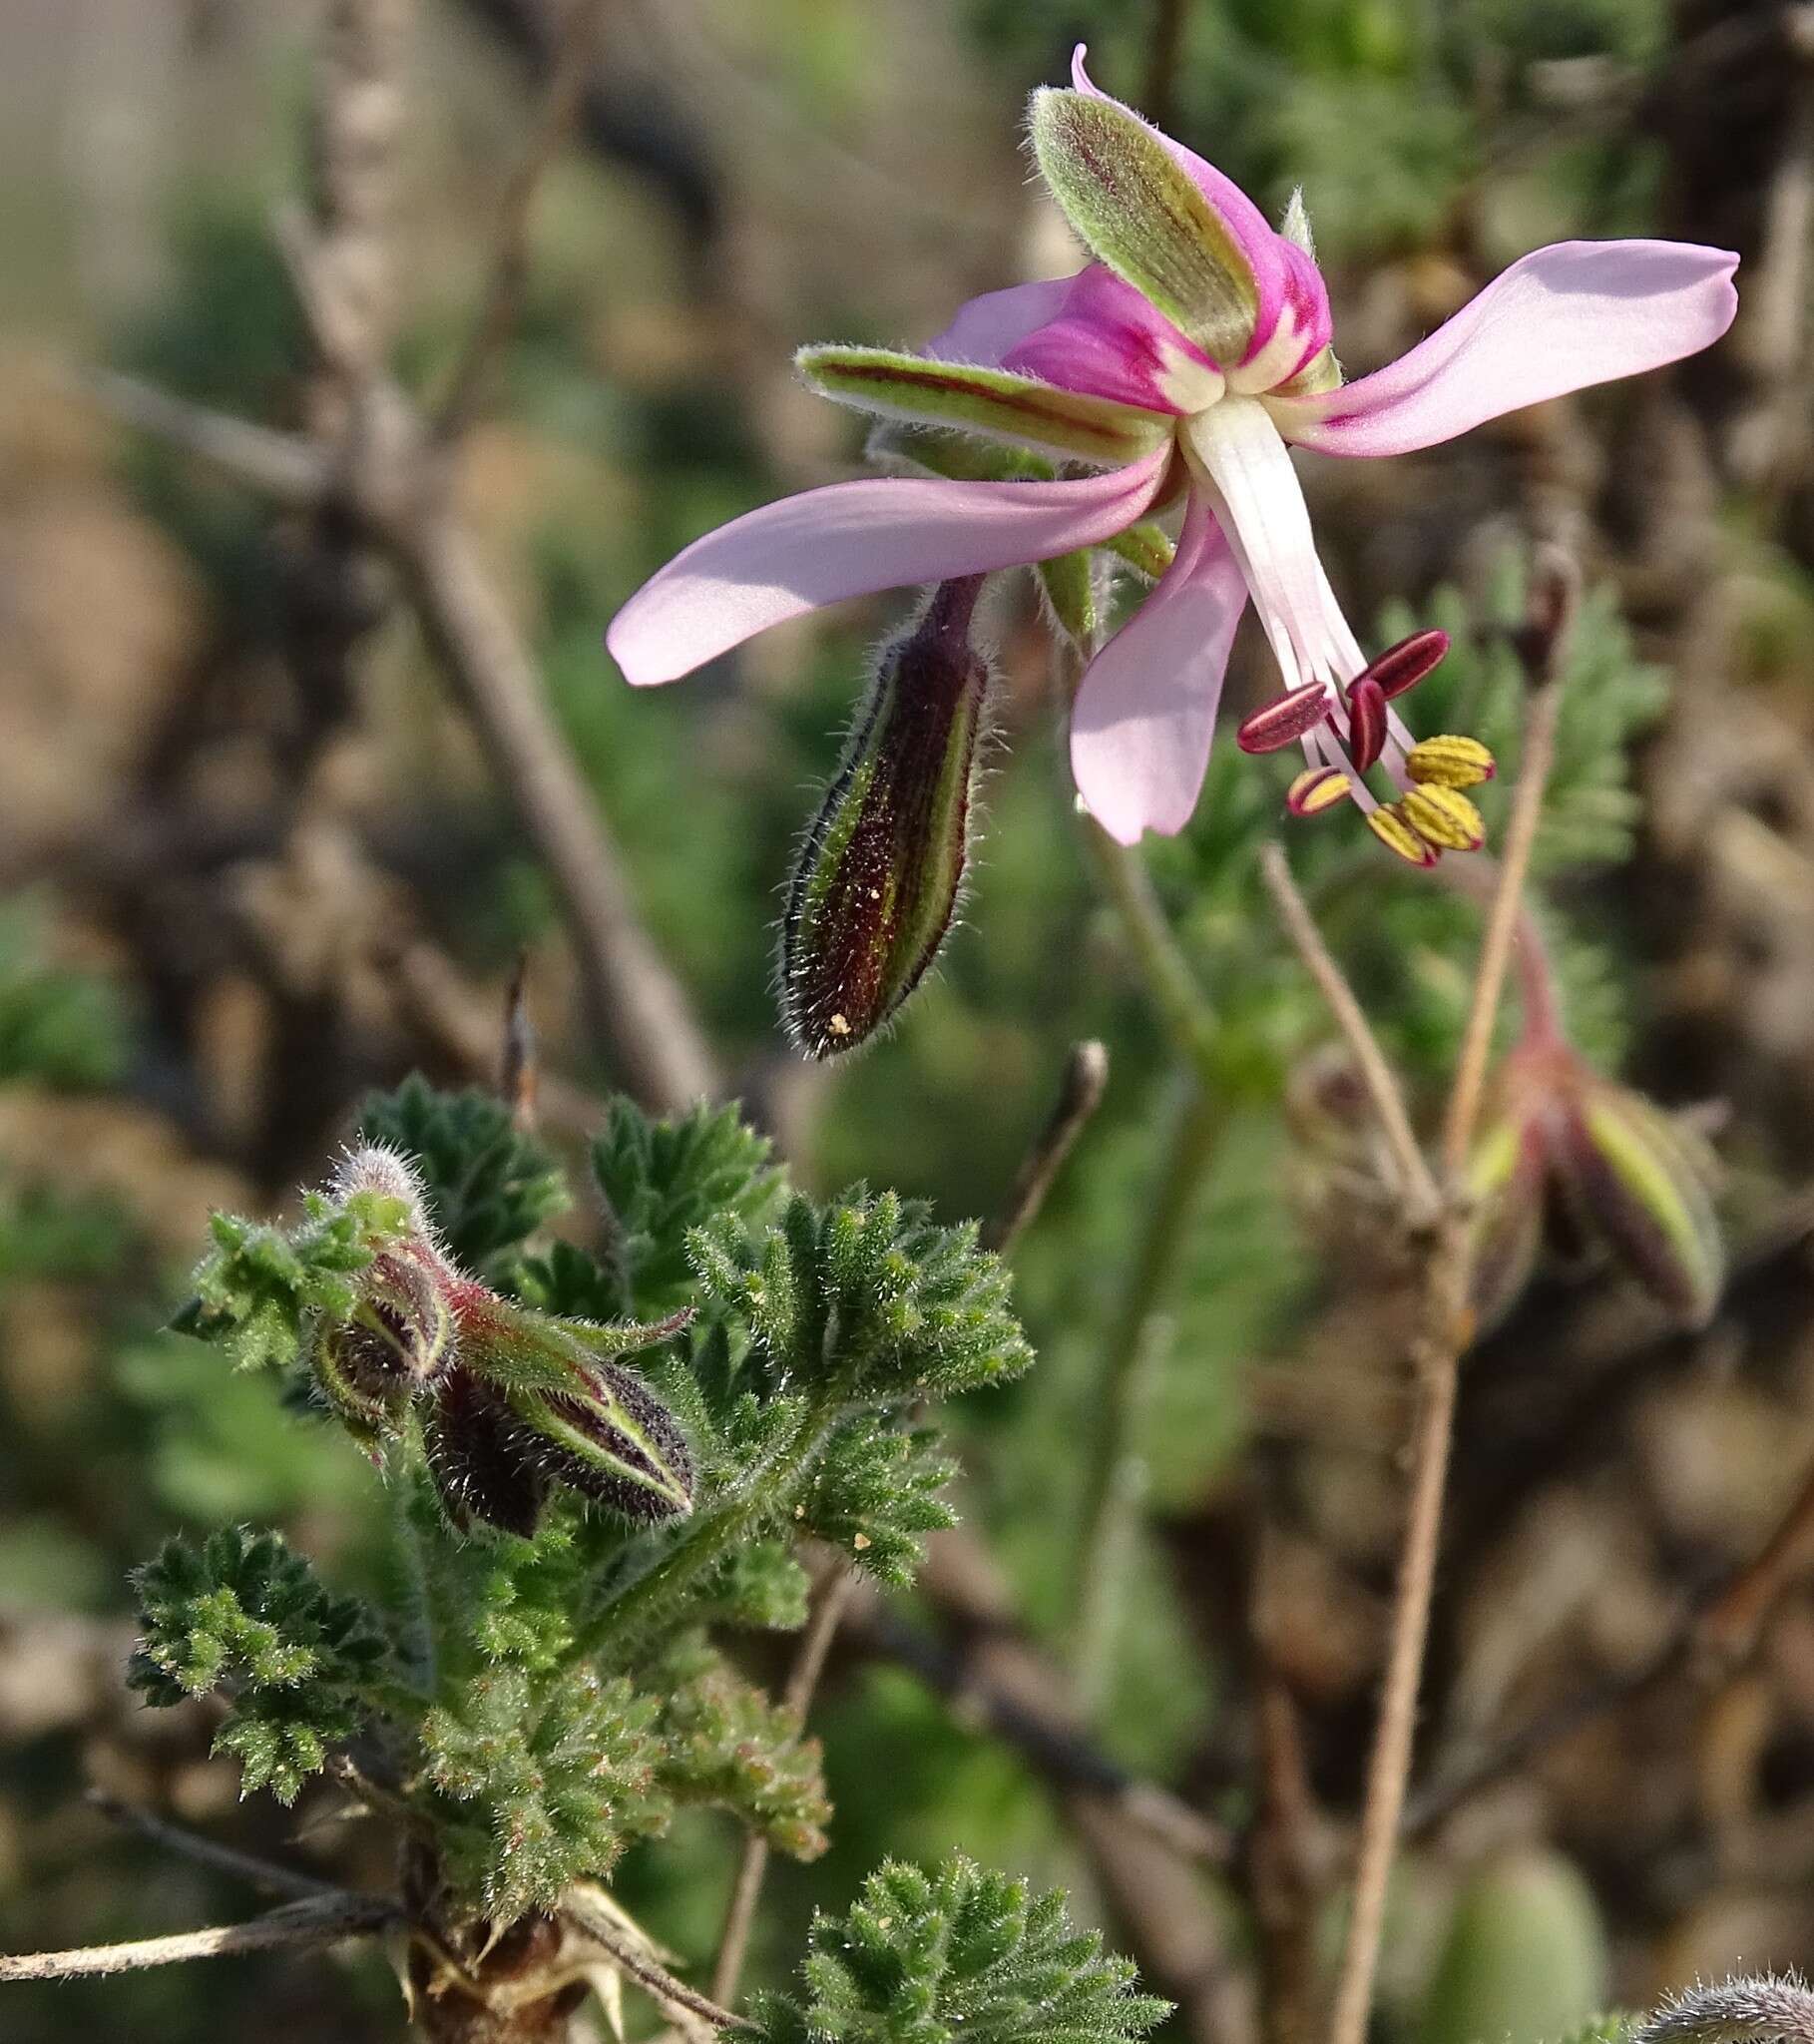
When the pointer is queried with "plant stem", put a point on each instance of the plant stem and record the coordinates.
(1437, 1356)
(1183, 1007)
(1124, 1384)
(321, 1919)
(752, 1867)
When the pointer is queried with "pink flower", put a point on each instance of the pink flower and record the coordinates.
(1174, 372)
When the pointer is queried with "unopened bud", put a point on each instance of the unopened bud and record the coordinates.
(879, 877)
(471, 1438)
(399, 1338)
(1637, 1183)
(614, 1441)
(552, 1400)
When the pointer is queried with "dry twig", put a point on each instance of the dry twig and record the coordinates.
(318, 1920)
(1079, 1095)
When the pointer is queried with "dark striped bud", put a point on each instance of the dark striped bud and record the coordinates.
(1637, 1185)
(879, 874)
(1284, 721)
(397, 1338)
(470, 1436)
(541, 1403)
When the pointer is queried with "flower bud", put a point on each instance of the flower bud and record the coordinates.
(612, 1441)
(542, 1402)
(1571, 1166)
(878, 877)
(1638, 1186)
(399, 1338)
(470, 1437)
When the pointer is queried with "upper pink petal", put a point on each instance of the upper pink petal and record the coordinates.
(1146, 709)
(852, 539)
(1560, 319)
(1107, 340)
(1277, 280)
(986, 327)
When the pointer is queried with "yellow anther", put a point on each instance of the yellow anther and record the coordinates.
(1445, 816)
(1446, 761)
(1315, 789)
(1390, 828)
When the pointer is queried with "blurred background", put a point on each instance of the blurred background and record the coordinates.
(253, 861)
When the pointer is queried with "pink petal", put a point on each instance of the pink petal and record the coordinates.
(1560, 319)
(1278, 280)
(1146, 710)
(1109, 341)
(986, 327)
(852, 539)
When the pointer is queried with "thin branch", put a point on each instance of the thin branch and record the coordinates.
(636, 1959)
(636, 1002)
(246, 1866)
(802, 1679)
(1420, 1189)
(569, 72)
(322, 1920)
(282, 466)
(1079, 1095)
(519, 1066)
(1165, 53)
(1556, 585)
(1446, 1331)
(1389, 1766)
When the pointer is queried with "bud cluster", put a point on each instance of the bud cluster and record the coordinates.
(513, 1405)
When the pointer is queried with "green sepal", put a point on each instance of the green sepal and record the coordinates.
(1137, 209)
(1017, 409)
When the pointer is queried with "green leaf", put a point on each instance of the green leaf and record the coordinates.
(877, 1490)
(942, 1957)
(258, 1288)
(488, 1184)
(994, 402)
(660, 1179)
(726, 1744)
(533, 1785)
(1137, 209)
(866, 1295)
(246, 1616)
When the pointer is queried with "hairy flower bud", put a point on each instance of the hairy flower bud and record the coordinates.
(398, 1332)
(879, 874)
(1637, 1185)
(470, 1436)
(537, 1404)
(614, 1441)
(1572, 1157)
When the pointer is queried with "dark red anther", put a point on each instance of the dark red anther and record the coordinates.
(1403, 666)
(1285, 719)
(1366, 721)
